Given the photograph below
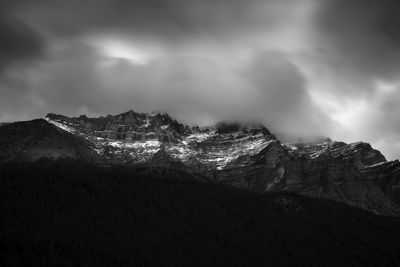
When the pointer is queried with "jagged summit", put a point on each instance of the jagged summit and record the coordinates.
(133, 137)
(129, 125)
(154, 120)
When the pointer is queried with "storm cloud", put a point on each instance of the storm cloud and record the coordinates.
(303, 68)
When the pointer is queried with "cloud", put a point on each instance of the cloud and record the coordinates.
(167, 19)
(281, 95)
(356, 50)
(267, 88)
(192, 48)
(20, 48)
(359, 40)
(305, 67)
(19, 43)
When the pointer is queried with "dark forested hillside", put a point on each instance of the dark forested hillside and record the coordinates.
(67, 213)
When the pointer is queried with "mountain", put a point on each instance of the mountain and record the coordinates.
(245, 156)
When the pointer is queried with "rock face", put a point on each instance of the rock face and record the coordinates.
(246, 156)
(135, 138)
(333, 170)
(129, 126)
(386, 176)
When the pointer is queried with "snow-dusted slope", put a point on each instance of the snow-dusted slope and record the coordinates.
(134, 138)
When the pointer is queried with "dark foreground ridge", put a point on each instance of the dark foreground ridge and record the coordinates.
(76, 214)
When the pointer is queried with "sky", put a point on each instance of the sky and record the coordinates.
(301, 67)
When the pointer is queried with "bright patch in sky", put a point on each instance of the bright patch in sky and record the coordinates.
(119, 49)
(347, 112)
(386, 88)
